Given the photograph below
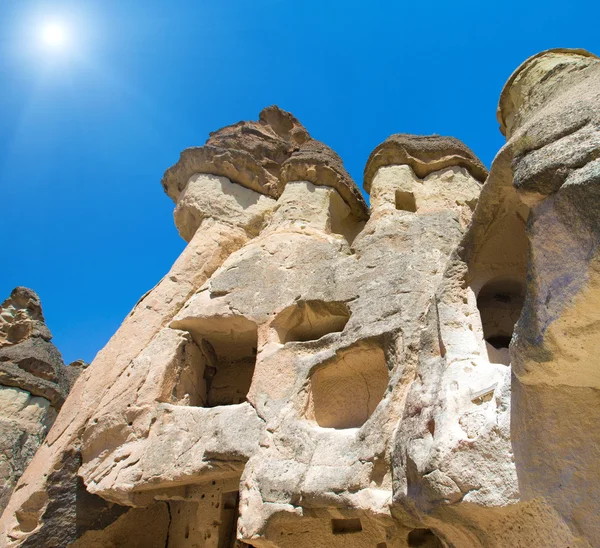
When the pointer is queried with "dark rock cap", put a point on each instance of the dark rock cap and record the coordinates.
(247, 153)
(265, 155)
(316, 163)
(424, 154)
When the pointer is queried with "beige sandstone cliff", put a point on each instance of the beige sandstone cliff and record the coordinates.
(315, 373)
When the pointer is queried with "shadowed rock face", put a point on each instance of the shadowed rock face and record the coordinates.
(313, 374)
(34, 383)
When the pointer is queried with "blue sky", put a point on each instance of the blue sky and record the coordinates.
(86, 133)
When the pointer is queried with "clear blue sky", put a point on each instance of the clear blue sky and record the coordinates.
(85, 134)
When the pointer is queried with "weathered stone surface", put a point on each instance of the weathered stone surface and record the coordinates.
(313, 374)
(262, 157)
(217, 198)
(34, 383)
(36, 356)
(207, 250)
(534, 84)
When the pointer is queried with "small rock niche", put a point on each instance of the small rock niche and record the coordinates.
(344, 392)
(310, 320)
(500, 302)
(221, 372)
(346, 526)
(405, 201)
(424, 538)
(341, 219)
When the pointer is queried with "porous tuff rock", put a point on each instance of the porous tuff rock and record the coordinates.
(301, 378)
(424, 154)
(34, 383)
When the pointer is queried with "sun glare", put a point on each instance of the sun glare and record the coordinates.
(54, 36)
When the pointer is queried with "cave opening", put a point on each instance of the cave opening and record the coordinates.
(500, 302)
(423, 538)
(222, 368)
(310, 320)
(405, 201)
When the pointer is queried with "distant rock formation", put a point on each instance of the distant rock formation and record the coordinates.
(34, 383)
(315, 373)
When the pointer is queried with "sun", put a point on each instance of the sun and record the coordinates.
(54, 36)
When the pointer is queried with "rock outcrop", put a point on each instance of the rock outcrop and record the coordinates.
(314, 373)
(34, 383)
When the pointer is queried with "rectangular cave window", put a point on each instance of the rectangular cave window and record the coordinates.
(405, 201)
(345, 526)
(499, 302)
(223, 365)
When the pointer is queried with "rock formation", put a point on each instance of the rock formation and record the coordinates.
(34, 383)
(315, 373)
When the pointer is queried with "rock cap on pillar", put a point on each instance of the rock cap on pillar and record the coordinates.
(28, 359)
(318, 164)
(540, 74)
(28, 320)
(424, 154)
(247, 153)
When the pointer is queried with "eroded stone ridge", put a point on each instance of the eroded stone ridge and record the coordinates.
(34, 383)
(311, 374)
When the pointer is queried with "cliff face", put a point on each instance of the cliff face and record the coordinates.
(314, 373)
(34, 383)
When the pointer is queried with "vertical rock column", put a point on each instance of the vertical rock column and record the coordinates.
(453, 473)
(550, 112)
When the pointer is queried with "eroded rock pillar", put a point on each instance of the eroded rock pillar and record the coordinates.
(550, 112)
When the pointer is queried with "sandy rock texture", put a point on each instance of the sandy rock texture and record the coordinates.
(312, 372)
(34, 383)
